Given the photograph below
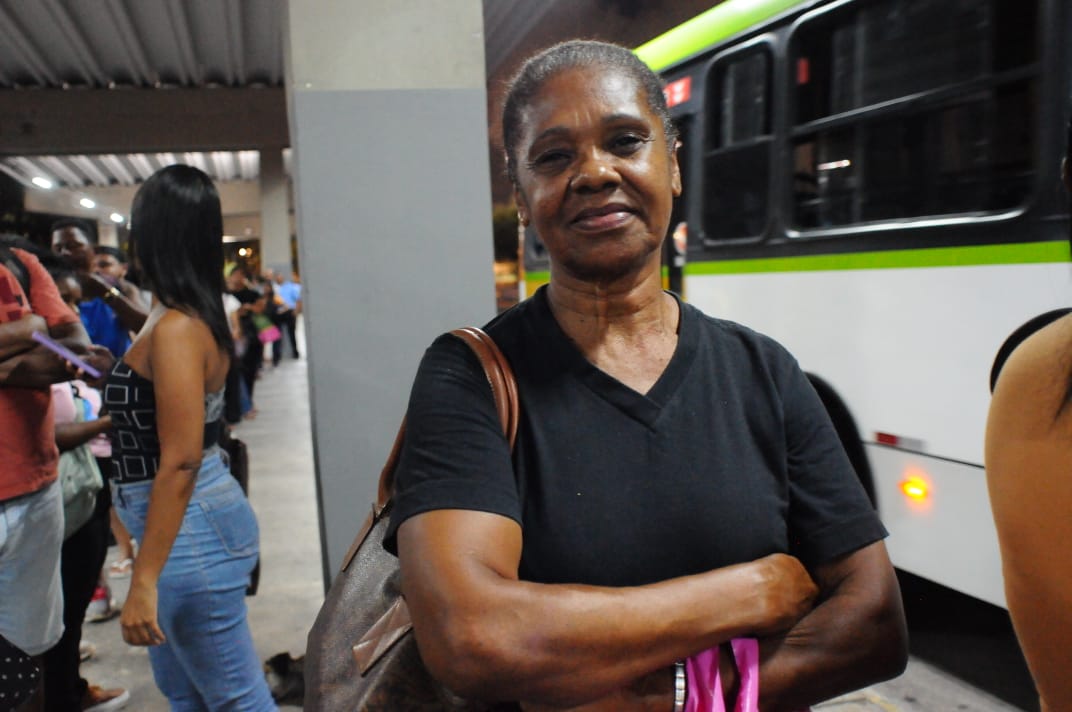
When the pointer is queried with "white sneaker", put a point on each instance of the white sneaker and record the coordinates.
(102, 606)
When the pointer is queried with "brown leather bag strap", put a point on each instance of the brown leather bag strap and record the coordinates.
(503, 387)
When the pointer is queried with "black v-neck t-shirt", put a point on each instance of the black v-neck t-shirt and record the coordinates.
(728, 458)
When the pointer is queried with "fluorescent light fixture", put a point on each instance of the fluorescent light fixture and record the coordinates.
(834, 165)
(87, 203)
(42, 182)
(116, 217)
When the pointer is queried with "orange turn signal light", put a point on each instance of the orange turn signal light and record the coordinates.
(915, 488)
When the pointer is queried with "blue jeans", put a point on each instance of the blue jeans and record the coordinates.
(208, 662)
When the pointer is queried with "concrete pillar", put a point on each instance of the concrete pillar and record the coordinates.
(389, 130)
(107, 234)
(275, 212)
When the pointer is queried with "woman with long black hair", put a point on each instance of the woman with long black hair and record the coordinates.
(1029, 474)
(172, 488)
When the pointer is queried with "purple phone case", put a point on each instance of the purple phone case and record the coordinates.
(65, 353)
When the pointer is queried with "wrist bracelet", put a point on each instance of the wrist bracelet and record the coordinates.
(679, 686)
(112, 294)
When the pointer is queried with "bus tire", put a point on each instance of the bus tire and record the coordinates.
(848, 433)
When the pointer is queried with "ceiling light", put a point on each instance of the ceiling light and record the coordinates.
(42, 182)
(116, 217)
(87, 203)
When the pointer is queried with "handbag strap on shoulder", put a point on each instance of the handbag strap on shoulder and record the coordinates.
(503, 387)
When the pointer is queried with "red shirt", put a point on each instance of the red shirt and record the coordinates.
(28, 453)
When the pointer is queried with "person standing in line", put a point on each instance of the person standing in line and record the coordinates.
(251, 358)
(289, 291)
(111, 309)
(31, 506)
(172, 487)
(676, 491)
(109, 313)
(84, 548)
(1029, 474)
(112, 265)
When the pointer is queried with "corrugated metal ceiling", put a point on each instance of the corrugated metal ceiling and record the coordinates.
(140, 44)
(147, 45)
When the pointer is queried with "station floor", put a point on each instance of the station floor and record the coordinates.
(282, 492)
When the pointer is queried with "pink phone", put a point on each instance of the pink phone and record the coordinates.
(65, 353)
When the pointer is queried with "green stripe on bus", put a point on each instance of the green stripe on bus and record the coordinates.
(1025, 253)
(704, 30)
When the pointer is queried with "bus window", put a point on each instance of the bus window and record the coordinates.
(907, 110)
(736, 171)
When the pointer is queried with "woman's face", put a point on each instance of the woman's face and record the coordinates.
(595, 177)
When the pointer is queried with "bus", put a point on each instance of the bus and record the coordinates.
(876, 184)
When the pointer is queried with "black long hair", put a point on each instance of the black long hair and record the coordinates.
(176, 234)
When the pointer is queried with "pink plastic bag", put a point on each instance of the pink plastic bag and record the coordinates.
(705, 684)
(269, 334)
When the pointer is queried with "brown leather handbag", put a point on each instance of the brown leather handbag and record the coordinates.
(361, 655)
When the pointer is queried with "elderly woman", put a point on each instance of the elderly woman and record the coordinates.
(676, 482)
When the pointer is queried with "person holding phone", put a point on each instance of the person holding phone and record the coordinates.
(172, 487)
(108, 312)
(31, 506)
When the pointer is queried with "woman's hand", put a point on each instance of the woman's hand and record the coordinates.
(100, 358)
(785, 594)
(138, 620)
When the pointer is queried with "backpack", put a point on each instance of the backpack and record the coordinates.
(80, 476)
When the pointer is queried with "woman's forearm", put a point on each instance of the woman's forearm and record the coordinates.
(492, 637)
(171, 492)
(71, 435)
(855, 637)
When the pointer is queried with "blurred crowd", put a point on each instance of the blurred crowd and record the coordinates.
(98, 287)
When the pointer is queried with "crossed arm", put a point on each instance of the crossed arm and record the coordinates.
(26, 364)
(488, 635)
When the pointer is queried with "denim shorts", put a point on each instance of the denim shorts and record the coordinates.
(31, 597)
(208, 661)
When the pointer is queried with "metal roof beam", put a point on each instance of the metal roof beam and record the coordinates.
(180, 28)
(93, 121)
(91, 169)
(61, 170)
(88, 66)
(12, 34)
(236, 48)
(126, 36)
(118, 169)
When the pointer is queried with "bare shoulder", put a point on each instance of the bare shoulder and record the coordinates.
(184, 336)
(1035, 379)
(176, 323)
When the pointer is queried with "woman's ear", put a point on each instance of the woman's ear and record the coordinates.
(675, 171)
(522, 208)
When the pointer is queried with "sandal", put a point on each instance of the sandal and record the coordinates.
(120, 568)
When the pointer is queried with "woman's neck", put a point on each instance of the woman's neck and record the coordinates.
(592, 314)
